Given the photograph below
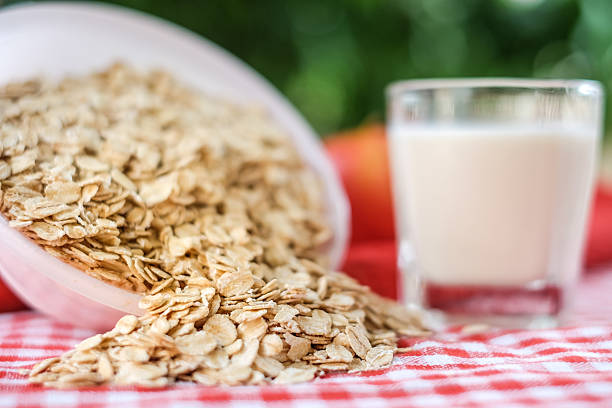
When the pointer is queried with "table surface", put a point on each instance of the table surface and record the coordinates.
(566, 367)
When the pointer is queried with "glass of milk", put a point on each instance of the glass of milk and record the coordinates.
(492, 182)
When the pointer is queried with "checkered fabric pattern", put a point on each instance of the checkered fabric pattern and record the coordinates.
(568, 367)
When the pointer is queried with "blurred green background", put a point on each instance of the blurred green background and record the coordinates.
(333, 58)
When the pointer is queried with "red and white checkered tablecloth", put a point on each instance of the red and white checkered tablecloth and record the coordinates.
(568, 367)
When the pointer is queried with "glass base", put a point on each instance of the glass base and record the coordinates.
(508, 307)
(504, 322)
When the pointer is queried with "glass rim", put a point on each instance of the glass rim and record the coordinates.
(590, 87)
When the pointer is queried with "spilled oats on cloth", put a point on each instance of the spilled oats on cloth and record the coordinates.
(205, 208)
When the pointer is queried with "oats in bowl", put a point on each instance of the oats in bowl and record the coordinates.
(202, 206)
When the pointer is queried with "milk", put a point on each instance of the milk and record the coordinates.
(492, 205)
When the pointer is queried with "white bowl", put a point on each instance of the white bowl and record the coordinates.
(57, 39)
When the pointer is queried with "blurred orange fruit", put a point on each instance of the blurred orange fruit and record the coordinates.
(599, 239)
(361, 158)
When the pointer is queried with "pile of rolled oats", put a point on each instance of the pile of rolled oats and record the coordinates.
(203, 206)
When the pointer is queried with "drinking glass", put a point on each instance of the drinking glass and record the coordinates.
(492, 183)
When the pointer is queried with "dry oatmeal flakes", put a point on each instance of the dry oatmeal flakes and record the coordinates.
(206, 209)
